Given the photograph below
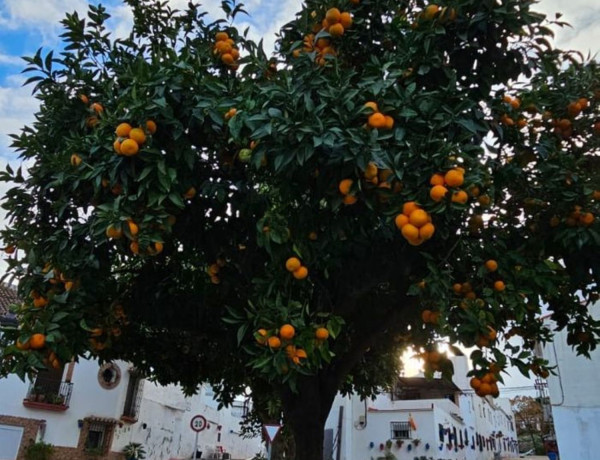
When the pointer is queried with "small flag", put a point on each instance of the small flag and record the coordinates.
(411, 421)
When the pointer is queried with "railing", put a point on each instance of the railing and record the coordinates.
(50, 395)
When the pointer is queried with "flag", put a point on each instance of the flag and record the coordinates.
(411, 422)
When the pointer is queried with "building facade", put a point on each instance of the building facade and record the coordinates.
(574, 396)
(422, 419)
(87, 410)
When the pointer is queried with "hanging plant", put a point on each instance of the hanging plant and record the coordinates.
(371, 445)
(388, 444)
(409, 447)
(441, 447)
(381, 446)
(462, 446)
(449, 446)
(399, 443)
(427, 446)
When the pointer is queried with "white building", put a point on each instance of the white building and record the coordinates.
(422, 418)
(85, 408)
(574, 397)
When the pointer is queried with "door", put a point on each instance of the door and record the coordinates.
(10, 440)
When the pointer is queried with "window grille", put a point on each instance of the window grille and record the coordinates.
(400, 430)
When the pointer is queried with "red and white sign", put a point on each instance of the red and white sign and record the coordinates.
(198, 423)
(271, 431)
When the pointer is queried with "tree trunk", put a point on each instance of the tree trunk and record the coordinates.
(305, 413)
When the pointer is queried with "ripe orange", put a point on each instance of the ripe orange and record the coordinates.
(426, 316)
(287, 332)
(426, 231)
(37, 341)
(491, 265)
(344, 186)
(10, 249)
(151, 126)
(123, 130)
(190, 193)
(574, 109)
(262, 336)
(377, 120)
(96, 107)
(213, 269)
(371, 170)
(596, 195)
(457, 288)
(499, 286)
(322, 333)
(274, 342)
(138, 135)
(301, 273)
(333, 15)
(336, 30)
(349, 199)
(410, 232)
(460, 197)
(515, 103)
(430, 12)
(134, 247)
(83, 98)
(133, 227)
(129, 147)
(346, 20)
(372, 105)
(292, 264)
(454, 178)
(437, 179)
(117, 146)
(40, 302)
(475, 383)
(214, 279)
(113, 232)
(22, 346)
(409, 207)
(227, 59)
(587, 218)
(90, 122)
(389, 122)
(75, 160)
(484, 200)
(438, 192)
(158, 247)
(418, 218)
(401, 220)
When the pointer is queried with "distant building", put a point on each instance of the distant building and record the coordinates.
(422, 418)
(85, 408)
(574, 396)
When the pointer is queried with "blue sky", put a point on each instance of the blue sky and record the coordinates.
(25, 25)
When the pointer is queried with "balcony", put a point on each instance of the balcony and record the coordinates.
(48, 395)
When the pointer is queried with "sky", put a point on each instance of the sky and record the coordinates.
(26, 25)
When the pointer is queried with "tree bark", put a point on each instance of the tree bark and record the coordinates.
(305, 413)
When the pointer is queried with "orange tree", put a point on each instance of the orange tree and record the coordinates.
(401, 173)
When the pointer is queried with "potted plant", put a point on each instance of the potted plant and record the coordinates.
(134, 451)
(39, 451)
(416, 442)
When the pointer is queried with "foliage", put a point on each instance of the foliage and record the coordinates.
(39, 451)
(134, 450)
(261, 192)
(532, 429)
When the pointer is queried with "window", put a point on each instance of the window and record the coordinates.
(133, 397)
(441, 432)
(400, 430)
(96, 435)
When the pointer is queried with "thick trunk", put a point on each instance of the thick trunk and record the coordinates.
(305, 412)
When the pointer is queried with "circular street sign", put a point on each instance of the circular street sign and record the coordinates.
(198, 423)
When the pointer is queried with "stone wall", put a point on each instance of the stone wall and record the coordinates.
(30, 426)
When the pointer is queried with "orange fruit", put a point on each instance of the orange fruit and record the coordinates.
(158, 247)
(221, 36)
(454, 178)
(292, 264)
(96, 107)
(475, 383)
(75, 160)
(460, 197)
(322, 333)
(214, 279)
(213, 269)
(377, 120)
(596, 195)
(484, 200)
(389, 122)
(129, 147)
(587, 218)
(491, 265)
(336, 30)
(69, 285)
(133, 227)
(484, 389)
(151, 126)
(287, 332)
(418, 218)
(37, 341)
(235, 54)
(300, 353)
(430, 12)
(499, 286)
(426, 231)
(10, 249)
(333, 15)
(190, 193)
(438, 192)
(90, 122)
(574, 109)
(117, 146)
(426, 316)
(349, 199)
(515, 103)
(40, 302)
(409, 207)
(227, 59)
(301, 273)
(22, 346)
(346, 20)
(262, 336)
(274, 342)
(437, 179)
(457, 287)
(138, 135)
(123, 130)
(223, 47)
(83, 98)
(371, 170)
(113, 232)
(372, 105)
(410, 232)
(344, 186)
(401, 220)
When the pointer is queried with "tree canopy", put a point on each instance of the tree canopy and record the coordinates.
(398, 174)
